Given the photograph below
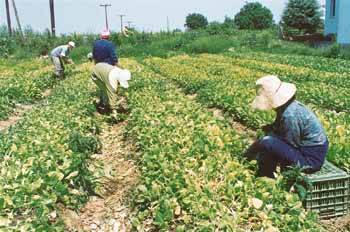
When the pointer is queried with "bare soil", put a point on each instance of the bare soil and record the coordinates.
(111, 211)
(341, 224)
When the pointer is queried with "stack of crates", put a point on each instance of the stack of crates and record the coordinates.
(329, 194)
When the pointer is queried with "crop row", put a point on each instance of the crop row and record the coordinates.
(297, 74)
(323, 91)
(234, 91)
(23, 85)
(43, 158)
(311, 62)
(192, 175)
(12, 67)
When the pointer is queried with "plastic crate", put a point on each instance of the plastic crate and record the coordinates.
(329, 194)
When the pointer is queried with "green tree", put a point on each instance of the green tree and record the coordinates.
(304, 15)
(196, 21)
(254, 16)
(229, 21)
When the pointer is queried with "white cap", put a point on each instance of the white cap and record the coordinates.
(105, 34)
(272, 93)
(72, 44)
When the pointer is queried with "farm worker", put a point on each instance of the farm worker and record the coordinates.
(104, 50)
(60, 55)
(295, 138)
(126, 31)
(107, 78)
(89, 56)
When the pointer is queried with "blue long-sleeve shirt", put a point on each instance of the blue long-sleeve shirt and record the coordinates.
(298, 125)
(104, 51)
(60, 51)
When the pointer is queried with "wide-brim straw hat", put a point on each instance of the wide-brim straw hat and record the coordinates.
(121, 75)
(272, 93)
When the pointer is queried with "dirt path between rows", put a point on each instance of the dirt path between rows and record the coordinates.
(111, 211)
(20, 110)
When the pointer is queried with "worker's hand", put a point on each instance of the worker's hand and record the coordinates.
(267, 128)
(69, 61)
(119, 66)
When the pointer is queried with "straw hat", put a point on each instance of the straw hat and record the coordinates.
(272, 93)
(71, 43)
(121, 75)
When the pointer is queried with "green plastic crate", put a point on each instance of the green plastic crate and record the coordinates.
(329, 194)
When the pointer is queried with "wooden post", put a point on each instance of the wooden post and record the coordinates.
(121, 22)
(52, 13)
(17, 18)
(8, 17)
(106, 16)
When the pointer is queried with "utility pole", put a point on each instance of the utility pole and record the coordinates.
(105, 6)
(129, 23)
(8, 17)
(52, 13)
(17, 18)
(167, 24)
(121, 22)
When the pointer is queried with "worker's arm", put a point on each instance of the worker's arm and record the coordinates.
(65, 58)
(290, 128)
(118, 65)
(114, 57)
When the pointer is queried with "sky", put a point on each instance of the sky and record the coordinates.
(147, 15)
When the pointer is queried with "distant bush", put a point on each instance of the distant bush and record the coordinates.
(196, 21)
(210, 44)
(254, 16)
(217, 28)
(260, 39)
(332, 51)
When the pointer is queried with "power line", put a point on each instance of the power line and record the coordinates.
(121, 22)
(8, 17)
(105, 6)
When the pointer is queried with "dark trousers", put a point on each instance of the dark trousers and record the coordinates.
(271, 151)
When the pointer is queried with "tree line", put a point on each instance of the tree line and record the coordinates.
(301, 15)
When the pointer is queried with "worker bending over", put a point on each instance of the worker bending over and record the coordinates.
(59, 56)
(107, 78)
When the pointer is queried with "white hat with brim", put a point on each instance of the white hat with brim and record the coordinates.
(72, 44)
(272, 93)
(121, 75)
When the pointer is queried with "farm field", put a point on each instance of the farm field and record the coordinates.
(190, 120)
(22, 83)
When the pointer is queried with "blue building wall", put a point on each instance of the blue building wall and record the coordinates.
(340, 23)
(331, 23)
(344, 22)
